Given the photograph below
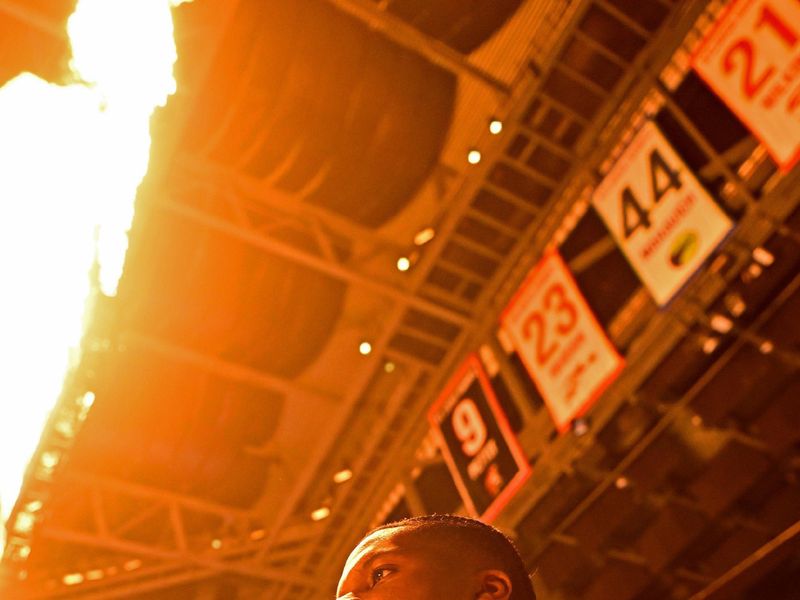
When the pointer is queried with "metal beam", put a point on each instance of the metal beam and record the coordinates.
(733, 583)
(234, 555)
(139, 549)
(204, 172)
(379, 19)
(164, 575)
(601, 248)
(224, 368)
(143, 493)
(317, 263)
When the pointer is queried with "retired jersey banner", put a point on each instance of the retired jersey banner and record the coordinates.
(663, 219)
(483, 454)
(558, 339)
(751, 59)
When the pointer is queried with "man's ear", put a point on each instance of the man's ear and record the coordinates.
(494, 585)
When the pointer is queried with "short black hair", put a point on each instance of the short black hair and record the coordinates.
(471, 533)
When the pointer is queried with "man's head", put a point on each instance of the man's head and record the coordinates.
(436, 557)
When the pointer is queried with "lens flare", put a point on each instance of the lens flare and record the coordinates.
(73, 156)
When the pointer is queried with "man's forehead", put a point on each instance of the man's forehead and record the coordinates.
(383, 540)
(406, 540)
(376, 544)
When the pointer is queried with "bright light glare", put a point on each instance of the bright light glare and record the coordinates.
(87, 400)
(424, 236)
(365, 348)
(763, 256)
(72, 159)
(132, 565)
(710, 344)
(323, 512)
(474, 157)
(721, 324)
(342, 476)
(72, 579)
(495, 126)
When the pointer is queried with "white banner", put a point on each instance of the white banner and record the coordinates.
(662, 218)
(751, 59)
(560, 342)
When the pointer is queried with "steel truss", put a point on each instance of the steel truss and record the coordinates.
(755, 566)
(178, 547)
(377, 17)
(252, 222)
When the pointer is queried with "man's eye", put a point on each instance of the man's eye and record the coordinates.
(380, 573)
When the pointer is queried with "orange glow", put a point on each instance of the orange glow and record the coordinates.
(73, 156)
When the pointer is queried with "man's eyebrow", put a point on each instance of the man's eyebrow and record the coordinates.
(369, 559)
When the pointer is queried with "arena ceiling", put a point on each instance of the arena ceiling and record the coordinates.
(242, 436)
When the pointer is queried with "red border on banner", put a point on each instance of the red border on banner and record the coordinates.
(473, 364)
(783, 167)
(609, 379)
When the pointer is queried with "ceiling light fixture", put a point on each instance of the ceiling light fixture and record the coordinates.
(88, 400)
(424, 236)
(72, 578)
(323, 512)
(580, 427)
(763, 256)
(754, 271)
(132, 565)
(710, 344)
(365, 348)
(342, 476)
(474, 156)
(403, 264)
(721, 324)
(495, 126)
(735, 303)
(24, 522)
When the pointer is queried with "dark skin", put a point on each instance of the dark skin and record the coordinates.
(395, 564)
